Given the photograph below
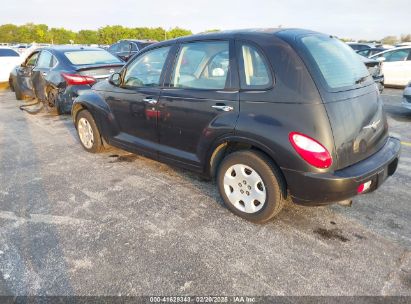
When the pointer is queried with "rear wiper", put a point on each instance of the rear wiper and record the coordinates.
(360, 80)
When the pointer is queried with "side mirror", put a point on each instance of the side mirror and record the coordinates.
(115, 79)
(381, 59)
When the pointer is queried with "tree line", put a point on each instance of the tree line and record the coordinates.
(41, 33)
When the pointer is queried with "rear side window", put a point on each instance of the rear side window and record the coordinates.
(202, 65)
(338, 64)
(8, 53)
(254, 70)
(91, 57)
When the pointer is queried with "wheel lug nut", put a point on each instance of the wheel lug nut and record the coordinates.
(249, 187)
(244, 182)
(248, 193)
(240, 185)
(242, 191)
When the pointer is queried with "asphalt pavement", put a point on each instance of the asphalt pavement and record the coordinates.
(75, 223)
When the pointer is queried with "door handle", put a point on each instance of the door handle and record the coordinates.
(150, 100)
(44, 74)
(223, 108)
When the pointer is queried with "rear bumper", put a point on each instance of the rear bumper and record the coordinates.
(325, 188)
(67, 97)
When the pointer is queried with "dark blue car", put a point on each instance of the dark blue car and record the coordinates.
(56, 74)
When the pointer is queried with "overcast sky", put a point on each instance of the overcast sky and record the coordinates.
(369, 19)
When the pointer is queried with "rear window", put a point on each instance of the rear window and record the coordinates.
(8, 53)
(91, 57)
(338, 64)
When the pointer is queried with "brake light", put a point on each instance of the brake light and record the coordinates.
(310, 150)
(77, 79)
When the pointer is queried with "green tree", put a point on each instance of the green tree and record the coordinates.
(389, 40)
(87, 37)
(8, 33)
(61, 36)
(178, 32)
(406, 38)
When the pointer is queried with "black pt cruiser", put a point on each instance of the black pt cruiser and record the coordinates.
(270, 114)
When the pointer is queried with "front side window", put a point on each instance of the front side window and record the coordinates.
(31, 61)
(254, 71)
(202, 65)
(44, 60)
(113, 48)
(338, 64)
(399, 55)
(145, 70)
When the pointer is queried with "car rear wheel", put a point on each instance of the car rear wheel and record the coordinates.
(88, 132)
(17, 91)
(11, 85)
(251, 186)
(53, 101)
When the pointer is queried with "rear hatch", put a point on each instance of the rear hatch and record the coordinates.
(99, 72)
(359, 126)
(351, 99)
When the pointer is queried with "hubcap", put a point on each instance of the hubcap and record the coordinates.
(85, 132)
(244, 188)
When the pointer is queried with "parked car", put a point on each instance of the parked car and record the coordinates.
(374, 68)
(9, 58)
(359, 46)
(268, 113)
(56, 74)
(407, 97)
(127, 48)
(371, 51)
(396, 65)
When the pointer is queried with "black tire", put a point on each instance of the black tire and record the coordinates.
(17, 91)
(11, 85)
(53, 104)
(273, 183)
(97, 144)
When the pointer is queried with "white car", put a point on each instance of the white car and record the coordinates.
(9, 58)
(396, 66)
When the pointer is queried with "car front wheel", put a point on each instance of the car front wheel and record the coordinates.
(251, 186)
(88, 132)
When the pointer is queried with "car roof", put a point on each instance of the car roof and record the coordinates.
(137, 40)
(70, 48)
(231, 34)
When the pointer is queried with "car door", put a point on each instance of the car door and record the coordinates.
(395, 66)
(24, 74)
(40, 73)
(134, 103)
(200, 102)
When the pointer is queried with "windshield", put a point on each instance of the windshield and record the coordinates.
(338, 64)
(8, 53)
(91, 57)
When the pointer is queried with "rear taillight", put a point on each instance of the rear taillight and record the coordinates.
(310, 150)
(77, 79)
